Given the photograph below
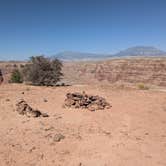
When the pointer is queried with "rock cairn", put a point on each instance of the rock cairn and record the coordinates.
(82, 100)
(24, 109)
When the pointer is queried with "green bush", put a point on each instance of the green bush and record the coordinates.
(16, 76)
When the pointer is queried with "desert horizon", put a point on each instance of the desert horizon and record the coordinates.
(82, 83)
(131, 131)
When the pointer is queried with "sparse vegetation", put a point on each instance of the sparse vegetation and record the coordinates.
(141, 86)
(1, 77)
(16, 76)
(43, 71)
(14, 65)
(21, 66)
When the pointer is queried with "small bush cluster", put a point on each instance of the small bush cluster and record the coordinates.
(1, 77)
(38, 71)
(16, 76)
(142, 87)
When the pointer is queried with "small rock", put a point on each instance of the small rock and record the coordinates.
(7, 99)
(34, 113)
(32, 149)
(69, 102)
(91, 108)
(45, 115)
(45, 100)
(49, 128)
(58, 137)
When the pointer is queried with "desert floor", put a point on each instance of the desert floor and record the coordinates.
(132, 132)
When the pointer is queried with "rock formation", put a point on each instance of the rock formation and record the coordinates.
(24, 109)
(128, 70)
(82, 100)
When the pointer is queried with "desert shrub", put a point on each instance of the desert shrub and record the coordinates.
(15, 66)
(0, 72)
(16, 76)
(21, 66)
(142, 87)
(1, 76)
(43, 71)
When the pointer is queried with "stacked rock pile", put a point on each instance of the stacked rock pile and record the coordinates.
(82, 100)
(24, 109)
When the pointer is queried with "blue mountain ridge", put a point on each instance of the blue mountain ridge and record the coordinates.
(146, 51)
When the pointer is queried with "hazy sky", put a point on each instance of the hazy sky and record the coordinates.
(32, 27)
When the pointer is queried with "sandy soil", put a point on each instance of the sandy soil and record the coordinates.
(132, 132)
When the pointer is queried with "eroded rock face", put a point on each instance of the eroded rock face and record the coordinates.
(24, 109)
(1, 77)
(129, 70)
(151, 71)
(82, 100)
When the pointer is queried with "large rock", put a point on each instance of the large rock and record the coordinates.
(82, 100)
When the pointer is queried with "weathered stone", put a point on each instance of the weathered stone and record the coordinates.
(77, 95)
(58, 137)
(69, 102)
(45, 100)
(34, 113)
(24, 109)
(77, 105)
(91, 108)
(45, 115)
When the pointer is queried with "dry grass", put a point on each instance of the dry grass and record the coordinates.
(141, 86)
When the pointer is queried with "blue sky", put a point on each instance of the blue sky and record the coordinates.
(33, 27)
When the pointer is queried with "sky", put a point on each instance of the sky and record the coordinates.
(34, 27)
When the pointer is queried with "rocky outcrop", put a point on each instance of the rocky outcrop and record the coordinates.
(133, 71)
(82, 100)
(129, 70)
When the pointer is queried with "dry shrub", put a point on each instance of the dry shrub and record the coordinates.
(141, 86)
(43, 71)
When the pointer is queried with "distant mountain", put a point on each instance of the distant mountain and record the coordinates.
(133, 51)
(141, 51)
(75, 56)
